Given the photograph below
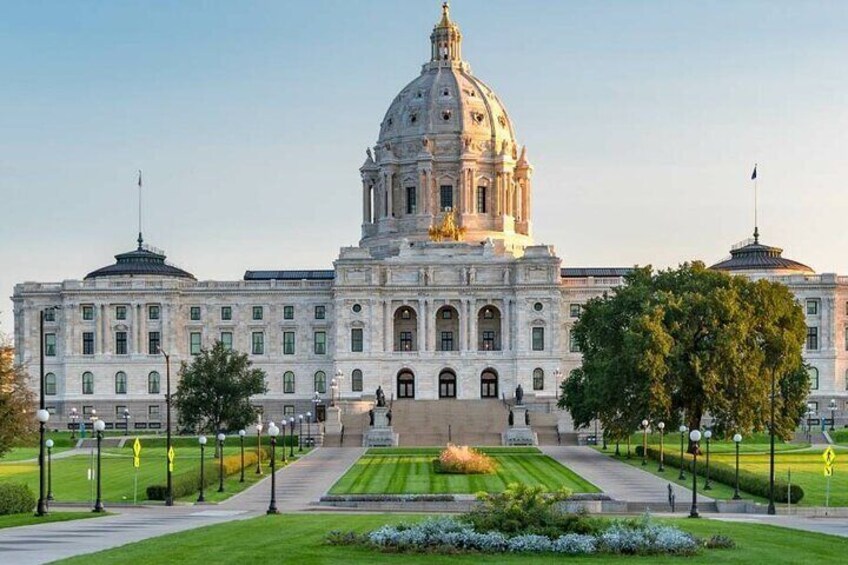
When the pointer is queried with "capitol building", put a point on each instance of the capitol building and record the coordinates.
(448, 298)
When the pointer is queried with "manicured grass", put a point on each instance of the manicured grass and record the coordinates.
(24, 453)
(840, 436)
(29, 519)
(301, 538)
(410, 471)
(755, 443)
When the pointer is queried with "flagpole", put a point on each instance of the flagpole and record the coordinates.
(140, 240)
(756, 219)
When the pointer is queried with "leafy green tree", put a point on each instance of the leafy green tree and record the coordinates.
(679, 344)
(17, 402)
(214, 391)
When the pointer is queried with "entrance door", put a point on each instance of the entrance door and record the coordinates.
(488, 384)
(320, 412)
(447, 384)
(405, 385)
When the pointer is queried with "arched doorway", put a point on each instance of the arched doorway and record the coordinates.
(489, 329)
(405, 328)
(405, 384)
(447, 329)
(489, 384)
(447, 384)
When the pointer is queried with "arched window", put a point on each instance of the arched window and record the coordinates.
(538, 379)
(489, 384)
(321, 382)
(288, 382)
(814, 378)
(50, 384)
(120, 382)
(356, 380)
(153, 383)
(87, 383)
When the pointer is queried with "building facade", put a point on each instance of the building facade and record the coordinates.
(446, 296)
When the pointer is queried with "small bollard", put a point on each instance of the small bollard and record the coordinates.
(671, 497)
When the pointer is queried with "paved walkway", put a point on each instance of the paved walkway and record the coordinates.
(832, 526)
(297, 486)
(619, 480)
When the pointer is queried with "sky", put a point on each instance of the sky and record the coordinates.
(250, 120)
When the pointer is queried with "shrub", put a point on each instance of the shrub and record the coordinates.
(749, 482)
(16, 499)
(189, 482)
(575, 544)
(645, 537)
(718, 541)
(464, 460)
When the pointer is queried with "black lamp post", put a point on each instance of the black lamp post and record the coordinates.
(221, 438)
(737, 439)
(309, 428)
(316, 400)
(126, 417)
(74, 416)
(49, 444)
(771, 510)
(291, 437)
(241, 441)
(810, 414)
(644, 442)
(99, 426)
(283, 433)
(661, 428)
(694, 437)
(683, 429)
(300, 434)
(202, 441)
(273, 432)
(258, 448)
(707, 435)
(169, 468)
(43, 415)
(832, 414)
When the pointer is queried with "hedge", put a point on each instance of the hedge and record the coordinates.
(189, 482)
(16, 499)
(752, 483)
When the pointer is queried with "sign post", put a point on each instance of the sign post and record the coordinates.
(136, 464)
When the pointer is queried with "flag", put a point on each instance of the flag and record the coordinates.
(753, 175)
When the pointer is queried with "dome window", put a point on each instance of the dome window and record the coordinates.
(389, 123)
(446, 92)
(446, 115)
(413, 118)
(477, 117)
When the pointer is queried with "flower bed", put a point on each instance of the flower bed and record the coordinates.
(464, 460)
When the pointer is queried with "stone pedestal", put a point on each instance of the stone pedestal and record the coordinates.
(519, 433)
(381, 433)
(333, 423)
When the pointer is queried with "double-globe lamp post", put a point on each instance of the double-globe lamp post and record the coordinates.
(309, 429)
(202, 441)
(258, 448)
(99, 426)
(683, 430)
(221, 438)
(43, 416)
(661, 428)
(737, 439)
(644, 442)
(694, 437)
(707, 435)
(300, 434)
(291, 437)
(832, 414)
(74, 416)
(283, 433)
(273, 432)
(49, 444)
(241, 442)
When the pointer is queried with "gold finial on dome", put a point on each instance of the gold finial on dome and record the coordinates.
(446, 21)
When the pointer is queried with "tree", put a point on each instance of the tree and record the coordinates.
(676, 345)
(17, 402)
(214, 391)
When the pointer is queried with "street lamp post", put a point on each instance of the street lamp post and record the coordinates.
(291, 437)
(661, 427)
(126, 417)
(300, 434)
(49, 444)
(683, 430)
(241, 442)
(202, 441)
(810, 414)
(169, 496)
(43, 416)
(707, 435)
(316, 400)
(832, 413)
(771, 510)
(221, 438)
(273, 431)
(99, 426)
(644, 442)
(694, 437)
(258, 448)
(309, 429)
(283, 433)
(737, 439)
(334, 385)
(74, 416)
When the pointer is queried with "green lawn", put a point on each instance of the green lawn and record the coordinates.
(29, 519)
(755, 443)
(410, 471)
(299, 538)
(840, 436)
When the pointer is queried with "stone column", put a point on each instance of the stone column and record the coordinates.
(463, 325)
(506, 334)
(366, 203)
(472, 319)
(387, 337)
(390, 207)
(421, 326)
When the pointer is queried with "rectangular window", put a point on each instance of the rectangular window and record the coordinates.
(87, 383)
(812, 338)
(153, 312)
(88, 312)
(120, 312)
(288, 382)
(226, 313)
(813, 307)
(194, 313)
(410, 199)
(320, 343)
(288, 343)
(50, 384)
(227, 340)
(49, 314)
(574, 310)
(194, 343)
(320, 312)
(88, 343)
(50, 345)
(488, 340)
(257, 312)
(356, 340)
(153, 411)
(481, 199)
(119, 412)
(258, 343)
(288, 312)
(538, 339)
(288, 410)
(86, 410)
(447, 341)
(406, 341)
(153, 343)
(572, 343)
(356, 380)
(120, 343)
(446, 197)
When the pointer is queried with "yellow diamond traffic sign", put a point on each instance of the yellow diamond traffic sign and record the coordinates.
(136, 453)
(171, 459)
(829, 456)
